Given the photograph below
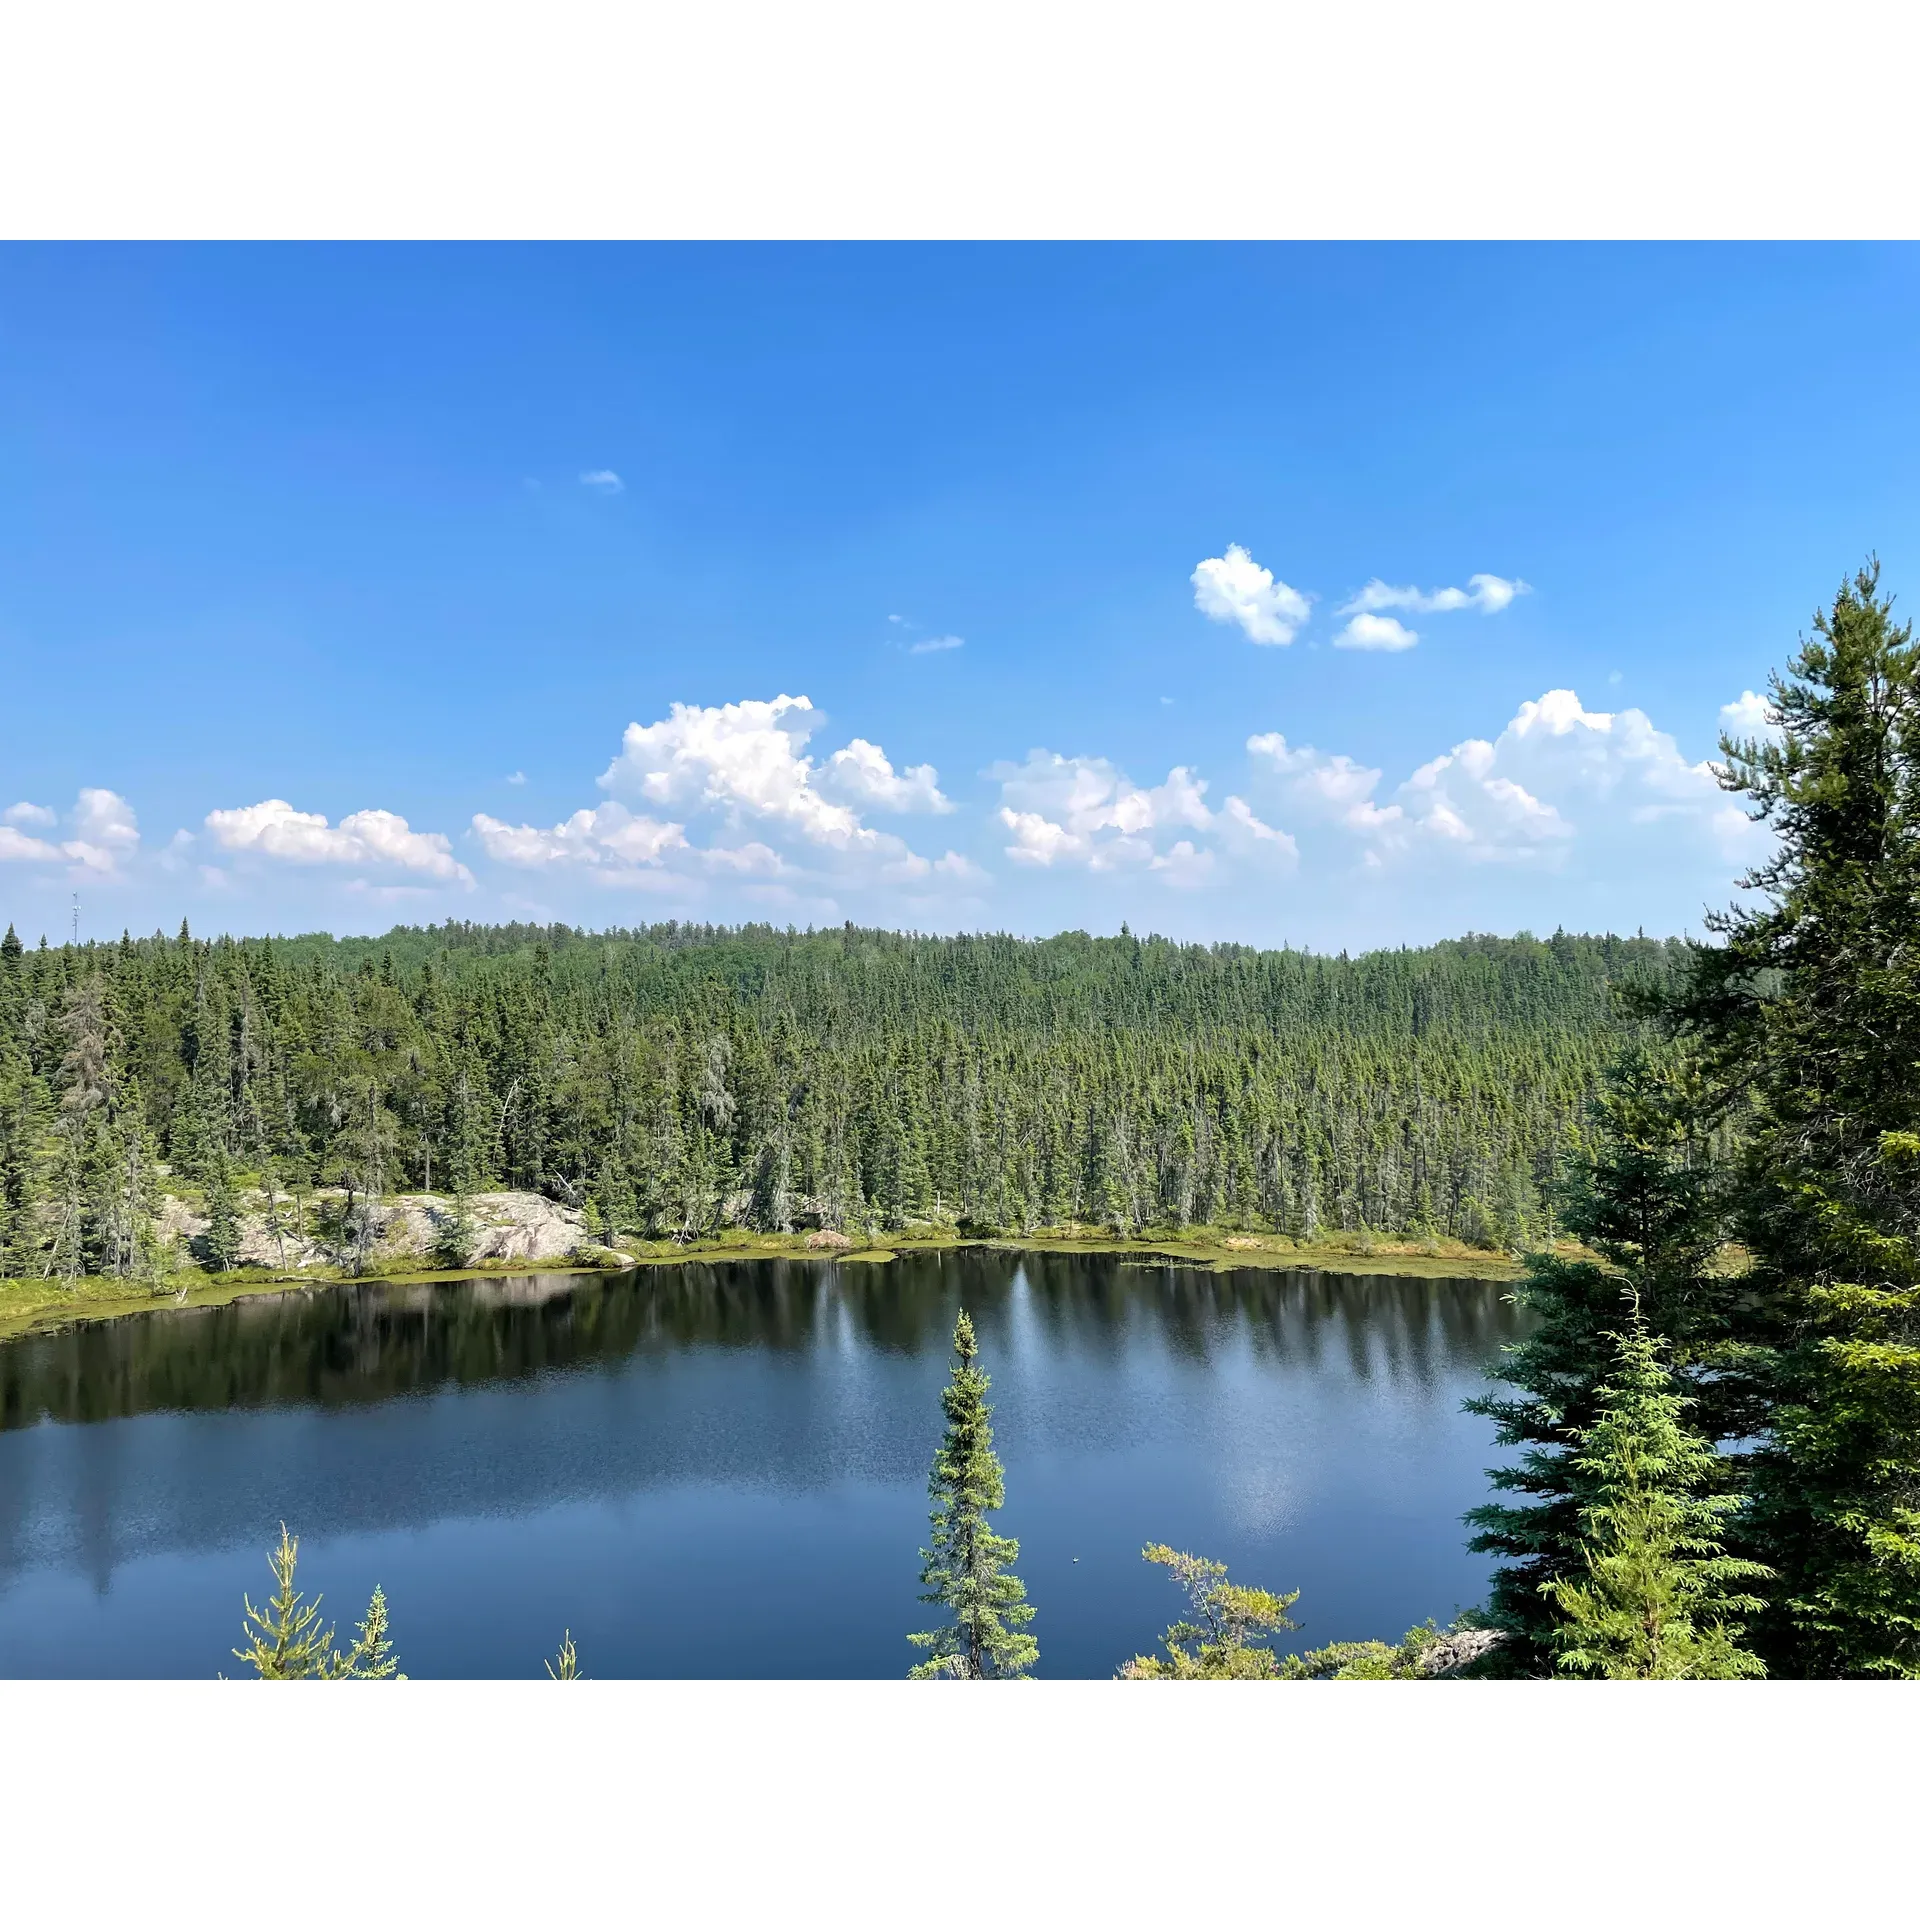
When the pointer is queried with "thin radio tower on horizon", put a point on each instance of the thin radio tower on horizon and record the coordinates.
(76, 919)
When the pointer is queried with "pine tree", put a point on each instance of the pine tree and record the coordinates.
(966, 1565)
(1656, 1594)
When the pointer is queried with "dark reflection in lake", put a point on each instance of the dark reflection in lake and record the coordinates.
(714, 1470)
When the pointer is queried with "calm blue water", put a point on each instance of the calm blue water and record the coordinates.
(721, 1471)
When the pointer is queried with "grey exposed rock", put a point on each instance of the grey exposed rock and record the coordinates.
(1453, 1651)
(513, 1227)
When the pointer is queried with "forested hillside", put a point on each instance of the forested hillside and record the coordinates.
(675, 1078)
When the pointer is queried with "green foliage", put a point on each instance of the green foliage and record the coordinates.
(1657, 1591)
(1641, 1185)
(455, 1233)
(566, 1664)
(223, 1220)
(966, 1566)
(371, 1655)
(1365, 1659)
(1224, 1637)
(685, 1078)
(1807, 1015)
(286, 1641)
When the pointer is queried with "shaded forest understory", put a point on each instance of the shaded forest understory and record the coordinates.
(676, 1081)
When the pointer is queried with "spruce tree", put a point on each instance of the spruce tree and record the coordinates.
(966, 1566)
(1656, 1595)
(223, 1218)
(285, 1640)
(455, 1232)
(1808, 1010)
(1640, 1186)
(28, 1158)
(371, 1656)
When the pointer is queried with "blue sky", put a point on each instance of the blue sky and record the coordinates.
(353, 585)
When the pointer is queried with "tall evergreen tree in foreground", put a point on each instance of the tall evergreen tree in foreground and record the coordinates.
(1640, 1187)
(1808, 1015)
(1656, 1593)
(967, 1564)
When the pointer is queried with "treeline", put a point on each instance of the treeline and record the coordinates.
(674, 1079)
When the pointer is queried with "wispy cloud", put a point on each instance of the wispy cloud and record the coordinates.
(516, 779)
(1237, 591)
(1486, 591)
(603, 480)
(944, 643)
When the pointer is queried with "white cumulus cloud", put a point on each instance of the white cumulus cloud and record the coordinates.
(1083, 811)
(1326, 786)
(866, 776)
(731, 794)
(745, 759)
(102, 835)
(746, 763)
(1237, 591)
(1751, 714)
(606, 836)
(602, 480)
(1376, 633)
(15, 845)
(1557, 772)
(276, 830)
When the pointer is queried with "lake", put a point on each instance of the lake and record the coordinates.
(720, 1470)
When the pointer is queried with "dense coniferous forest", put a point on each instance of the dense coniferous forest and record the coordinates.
(673, 1079)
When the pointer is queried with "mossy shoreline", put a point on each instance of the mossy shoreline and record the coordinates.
(42, 1306)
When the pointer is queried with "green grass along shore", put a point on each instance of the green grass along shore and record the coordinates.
(37, 1305)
